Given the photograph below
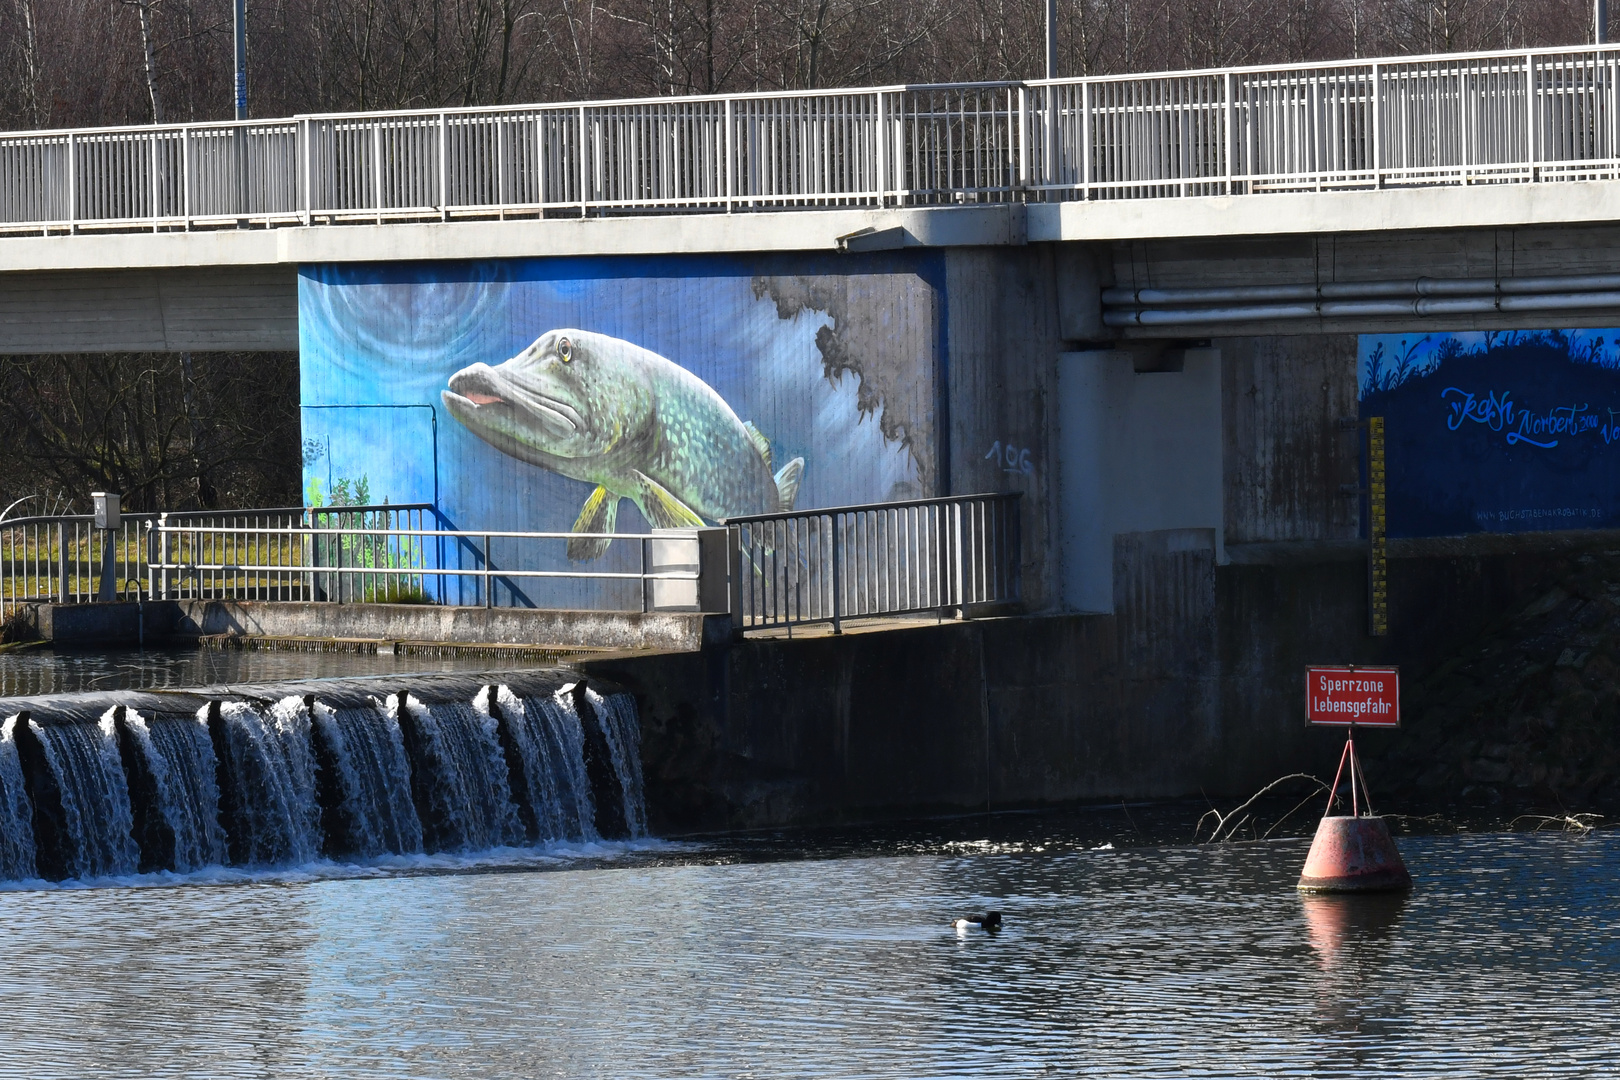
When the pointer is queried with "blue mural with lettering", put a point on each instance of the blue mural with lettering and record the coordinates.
(1513, 431)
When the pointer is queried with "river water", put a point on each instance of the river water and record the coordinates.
(829, 955)
(30, 671)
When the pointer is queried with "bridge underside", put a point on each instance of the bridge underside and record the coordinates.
(231, 290)
(168, 309)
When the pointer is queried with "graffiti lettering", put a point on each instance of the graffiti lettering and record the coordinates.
(1493, 412)
(1543, 430)
(1011, 458)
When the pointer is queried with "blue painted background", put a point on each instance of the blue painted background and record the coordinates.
(1497, 432)
(378, 344)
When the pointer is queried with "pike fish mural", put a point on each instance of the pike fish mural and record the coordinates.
(638, 426)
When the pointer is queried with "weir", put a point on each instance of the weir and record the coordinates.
(278, 775)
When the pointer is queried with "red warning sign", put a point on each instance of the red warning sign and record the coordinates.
(1364, 696)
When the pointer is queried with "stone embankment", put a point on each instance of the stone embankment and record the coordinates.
(1524, 719)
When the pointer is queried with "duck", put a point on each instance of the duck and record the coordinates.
(988, 920)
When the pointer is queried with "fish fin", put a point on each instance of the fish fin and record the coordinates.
(661, 508)
(761, 443)
(787, 483)
(598, 514)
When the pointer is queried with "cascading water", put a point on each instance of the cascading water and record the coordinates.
(16, 812)
(370, 779)
(323, 771)
(267, 767)
(460, 784)
(617, 715)
(179, 758)
(547, 735)
(83, 797)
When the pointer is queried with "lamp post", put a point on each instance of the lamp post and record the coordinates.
(1600, 22)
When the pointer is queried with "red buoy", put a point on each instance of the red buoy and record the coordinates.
(1353, 854)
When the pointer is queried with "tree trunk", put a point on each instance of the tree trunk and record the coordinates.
(144, 9)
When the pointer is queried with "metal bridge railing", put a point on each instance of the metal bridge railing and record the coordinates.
(64, 559)
(368, 554)
(1528, 116)
(880, 559)
(784, 569)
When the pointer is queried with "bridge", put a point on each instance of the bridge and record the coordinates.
(1507, 140)
(1171, 313)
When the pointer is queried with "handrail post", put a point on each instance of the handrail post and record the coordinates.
(730, 151)
(956, 557)
(1377, 126)
(883, 149)
(584, 165)
(1085, 140)
(72, 184)
(1015, 547)
(734, 573)
(185, 176)
(837, 575)
(1530, 114)
(1230, 142)
(307, 154)
(376, 168)
(155, 181)
(61, 562)
(641, 547)
(444, 170)
(489, 596)
(1023, 137)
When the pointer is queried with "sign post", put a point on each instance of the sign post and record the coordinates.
(1353, 853)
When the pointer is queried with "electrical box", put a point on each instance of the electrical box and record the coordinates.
(699, 552)
(106, 509)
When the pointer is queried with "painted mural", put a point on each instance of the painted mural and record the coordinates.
(597, 395)
(1497, 431)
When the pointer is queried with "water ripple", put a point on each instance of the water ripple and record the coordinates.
(1140, 962)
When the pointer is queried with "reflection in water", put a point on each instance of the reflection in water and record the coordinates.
(1345, 926)
(43, 671)
(1136, 962)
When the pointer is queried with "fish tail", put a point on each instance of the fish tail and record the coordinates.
(787, 483)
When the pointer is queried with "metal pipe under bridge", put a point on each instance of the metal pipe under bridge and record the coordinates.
(1478, 121)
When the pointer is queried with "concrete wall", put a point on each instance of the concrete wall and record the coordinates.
(1002, 340)
(217, 309)
(158, 620)
(1138, 452)
(1031, 711)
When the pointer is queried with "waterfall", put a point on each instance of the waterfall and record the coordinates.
(16, 812)
(271, 777)
(83, 797)
(282, 776)
(617, 715)
(547, 735)
(460, 783)
(179, 760)
(370, 782)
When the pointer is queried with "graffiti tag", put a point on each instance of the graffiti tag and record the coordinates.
(1011, 458)
(1541, 429)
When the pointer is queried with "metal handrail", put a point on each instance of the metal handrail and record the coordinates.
(1514, 116)
(307, 561)
(896, 558)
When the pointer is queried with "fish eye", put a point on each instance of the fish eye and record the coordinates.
(565, 349)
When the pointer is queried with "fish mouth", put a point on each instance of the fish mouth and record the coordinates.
(479, 388)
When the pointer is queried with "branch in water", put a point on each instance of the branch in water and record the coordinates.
(1221, 819)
